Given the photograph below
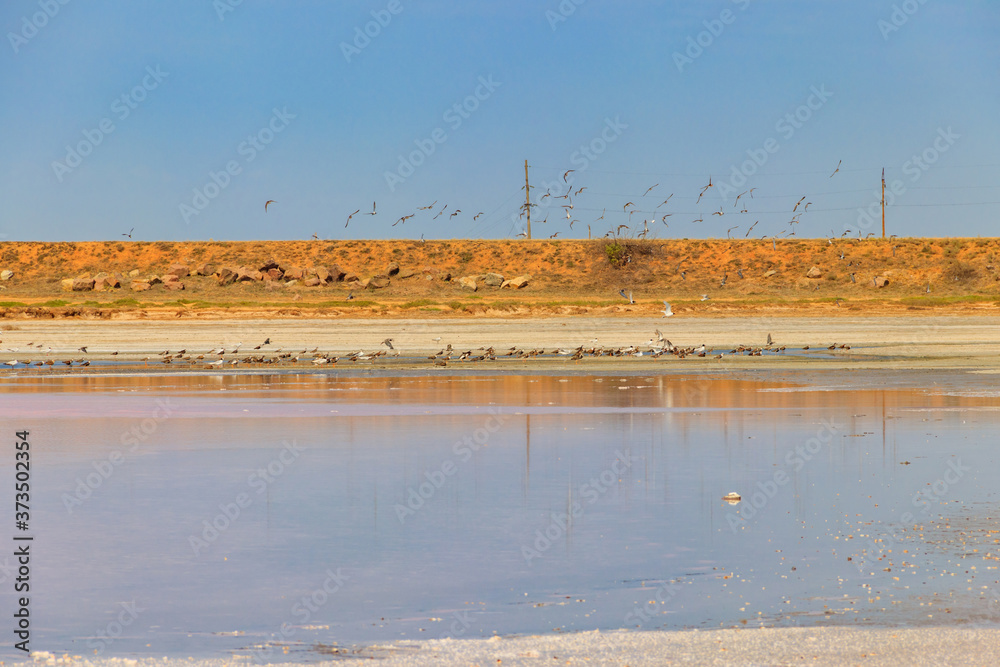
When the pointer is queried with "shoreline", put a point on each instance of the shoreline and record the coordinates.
(893, 342)
(875, 647)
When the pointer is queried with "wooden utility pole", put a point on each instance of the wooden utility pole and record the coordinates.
(527, 198)
(883, 202)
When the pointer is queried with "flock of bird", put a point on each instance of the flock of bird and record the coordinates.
(401, 220)
(233, 357)
(630, 209)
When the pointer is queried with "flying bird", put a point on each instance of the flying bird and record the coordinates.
(626, 296)
(351, 216)
(579, 191)
(568, 172)
(649, 190)
(403, 219)
(667, 312)
(551, 237)
(388, 343)
(476, 217)
(439, 213)
(315, 236)
(749, 230)
(837, 169)
(625, 207)
(373, 210)
(268, 203)
(797, 204)
(129, 233)
(454, 213)
(427, 208)
(704, 189)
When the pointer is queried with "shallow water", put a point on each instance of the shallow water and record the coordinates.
(355, 510)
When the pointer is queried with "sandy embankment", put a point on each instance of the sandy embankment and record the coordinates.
(888, 341)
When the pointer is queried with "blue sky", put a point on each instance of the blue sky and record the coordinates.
(181, 119)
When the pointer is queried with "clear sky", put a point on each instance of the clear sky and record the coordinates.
(180, 119)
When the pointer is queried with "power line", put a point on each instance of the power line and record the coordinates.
(701, 174)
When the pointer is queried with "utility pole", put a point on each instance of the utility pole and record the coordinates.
(883, 202)
(527, 199)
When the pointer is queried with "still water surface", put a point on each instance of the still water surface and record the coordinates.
(215, 513)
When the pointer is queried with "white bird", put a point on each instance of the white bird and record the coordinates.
(667, 312)
(624, 296)
(705, 297)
